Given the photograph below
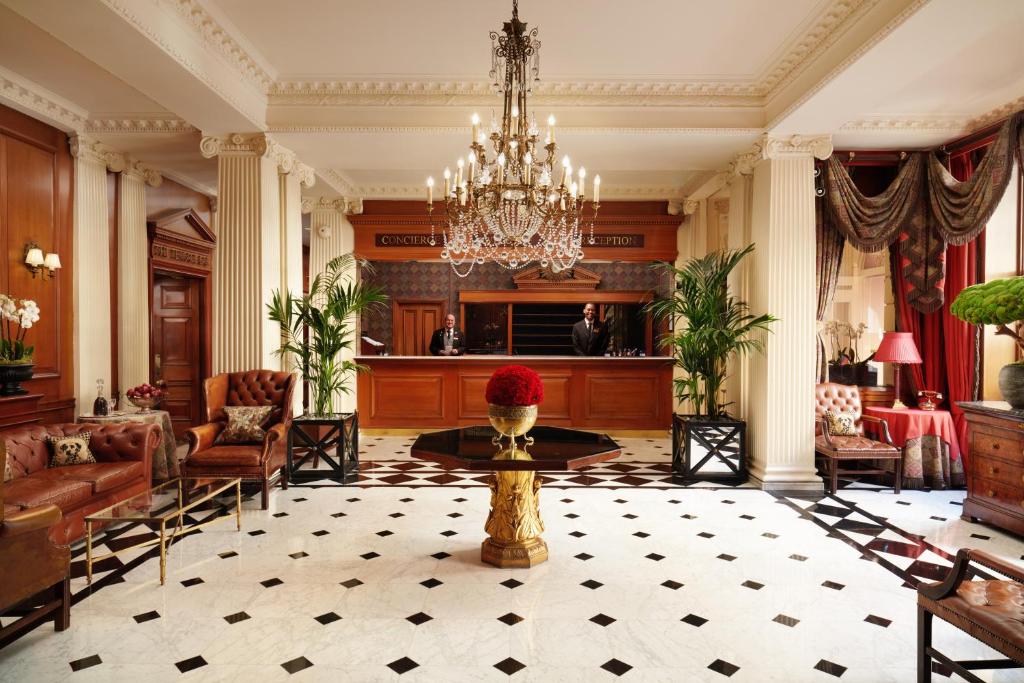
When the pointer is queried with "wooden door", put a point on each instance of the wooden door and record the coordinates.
(414, 322)
(177, 321)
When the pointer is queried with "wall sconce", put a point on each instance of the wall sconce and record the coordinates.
(36, 262)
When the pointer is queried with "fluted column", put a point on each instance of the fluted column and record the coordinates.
(252, 236)
(780, 406)
(331, 235)
(92, 268)
(737, 384)
(691, 243)
(133, 275)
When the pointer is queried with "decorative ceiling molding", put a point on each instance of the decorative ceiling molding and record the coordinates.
(135, 123)
(900, 124)
(997, 114)
(215, 36)
(87, 148)
(129, 11)
(412, 92)
(861, 50)
(823, 33)
(339, 182)
(28, 96)
(258, 144)
(617, 131)
(209, 190)
(608, 191)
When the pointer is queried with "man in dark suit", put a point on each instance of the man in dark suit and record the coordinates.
(589, 336)
(448, 340)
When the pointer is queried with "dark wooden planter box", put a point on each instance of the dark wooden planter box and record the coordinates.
(709, 449)
(331, 438)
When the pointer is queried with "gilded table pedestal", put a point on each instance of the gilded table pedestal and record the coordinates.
(514, 524)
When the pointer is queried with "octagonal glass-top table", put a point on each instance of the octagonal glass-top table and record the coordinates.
(514, 524)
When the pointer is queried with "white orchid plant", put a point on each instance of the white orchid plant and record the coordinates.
(16, 317)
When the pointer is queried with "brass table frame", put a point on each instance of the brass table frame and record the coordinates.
(177, 513)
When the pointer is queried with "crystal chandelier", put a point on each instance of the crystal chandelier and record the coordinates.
(512, 206)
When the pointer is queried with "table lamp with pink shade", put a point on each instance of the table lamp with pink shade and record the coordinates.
(897, 348)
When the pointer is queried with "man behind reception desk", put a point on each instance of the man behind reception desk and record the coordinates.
(448, 340)
(589, 336)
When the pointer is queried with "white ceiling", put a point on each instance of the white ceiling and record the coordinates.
(655, 95)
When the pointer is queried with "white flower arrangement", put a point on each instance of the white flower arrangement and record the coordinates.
(16, 317)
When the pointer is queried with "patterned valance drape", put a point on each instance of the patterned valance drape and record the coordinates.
(925, 208)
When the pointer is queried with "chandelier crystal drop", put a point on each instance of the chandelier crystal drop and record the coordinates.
(503, 203)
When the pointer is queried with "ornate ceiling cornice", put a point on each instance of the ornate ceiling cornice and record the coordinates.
(134, 123)
(616, 131)
(219, 39)
(130, 12)
(258, 144)
(26, 94)
(340, 183)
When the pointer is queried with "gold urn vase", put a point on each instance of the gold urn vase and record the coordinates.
(511, 421)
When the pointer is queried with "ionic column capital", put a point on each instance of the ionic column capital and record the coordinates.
(818, 146)
(88, 148)
(344, 206)
(690, 206)
(144, 172)
(261, 145)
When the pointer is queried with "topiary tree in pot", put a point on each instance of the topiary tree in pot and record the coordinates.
(999, 303)
(712, 326)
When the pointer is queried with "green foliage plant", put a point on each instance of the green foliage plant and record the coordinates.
(317, 327)
(712, 326)
(998, 302)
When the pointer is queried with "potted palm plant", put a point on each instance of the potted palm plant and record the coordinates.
(317, 327)
(712, 326)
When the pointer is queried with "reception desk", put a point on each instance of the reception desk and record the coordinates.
(426, 392)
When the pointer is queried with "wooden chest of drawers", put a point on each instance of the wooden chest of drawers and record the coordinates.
(995, 465)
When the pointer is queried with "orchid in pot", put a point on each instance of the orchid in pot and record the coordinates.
(16, 318)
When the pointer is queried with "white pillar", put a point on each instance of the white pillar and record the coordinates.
(253, 256)
(92, 269)
(331, 235)
(740, 186)
(133, 315)
(691, 243)
(782, 282)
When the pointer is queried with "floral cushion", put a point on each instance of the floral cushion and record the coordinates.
(70, 450)
(245, 424)
(841, 424)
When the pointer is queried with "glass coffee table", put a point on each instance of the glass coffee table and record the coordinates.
(514, 524)
(163, 506)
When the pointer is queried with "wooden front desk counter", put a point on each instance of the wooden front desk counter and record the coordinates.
(409, 392)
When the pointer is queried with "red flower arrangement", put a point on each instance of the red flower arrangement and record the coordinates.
(514, 385)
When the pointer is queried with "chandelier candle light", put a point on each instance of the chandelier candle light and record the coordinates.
(507, 207)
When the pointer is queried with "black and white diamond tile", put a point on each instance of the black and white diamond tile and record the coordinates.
(660, 583)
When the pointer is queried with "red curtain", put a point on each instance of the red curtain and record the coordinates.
(948, 345)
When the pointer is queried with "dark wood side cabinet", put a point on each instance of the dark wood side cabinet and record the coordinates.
(995, 465)
(878, 396)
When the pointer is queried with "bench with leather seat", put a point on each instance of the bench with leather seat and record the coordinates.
(990, 610)
(872, 441)
(123, 468)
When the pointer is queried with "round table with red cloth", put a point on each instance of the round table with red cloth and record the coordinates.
(931, 451)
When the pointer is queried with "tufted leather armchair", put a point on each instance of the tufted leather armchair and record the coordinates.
(253, 462)
(872, 441)
(34, 567)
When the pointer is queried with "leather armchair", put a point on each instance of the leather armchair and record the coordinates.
(251, 462)
(35, 568)
(872, 440)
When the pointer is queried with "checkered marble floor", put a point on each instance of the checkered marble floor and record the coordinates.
(381, 581)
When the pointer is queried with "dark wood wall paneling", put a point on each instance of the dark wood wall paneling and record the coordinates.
(36, 181)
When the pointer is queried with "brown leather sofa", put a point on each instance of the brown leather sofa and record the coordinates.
(123, 468)
(36, 583)
(258, 462)
(866, 445)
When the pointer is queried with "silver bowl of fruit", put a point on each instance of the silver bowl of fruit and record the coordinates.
(146, 397)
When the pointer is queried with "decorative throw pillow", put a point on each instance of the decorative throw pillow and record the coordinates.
(70, 450)
(245, 424)
(841, 424)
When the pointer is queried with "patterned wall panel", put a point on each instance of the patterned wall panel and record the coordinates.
(424, 280)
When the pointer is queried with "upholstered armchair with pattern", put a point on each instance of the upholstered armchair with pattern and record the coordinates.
(248, 461)
(871, 441)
